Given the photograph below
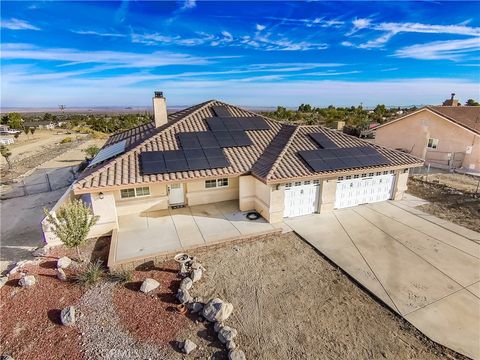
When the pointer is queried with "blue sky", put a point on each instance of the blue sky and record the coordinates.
(248, 53)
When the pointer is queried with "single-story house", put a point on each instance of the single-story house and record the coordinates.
(445, 136)
(44, 124)
(215, 152)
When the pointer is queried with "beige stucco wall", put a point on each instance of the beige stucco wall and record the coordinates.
(197, 194)
(412, 134)
(157, 200)
(326, 198)
(401, 178)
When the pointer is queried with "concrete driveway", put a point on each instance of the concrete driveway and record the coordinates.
(425, 269)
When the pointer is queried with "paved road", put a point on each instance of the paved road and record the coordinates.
(425, 269)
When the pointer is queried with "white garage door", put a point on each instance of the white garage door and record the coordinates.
(364, 188)
(301, 198)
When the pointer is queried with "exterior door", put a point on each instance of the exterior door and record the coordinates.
(364, 188)
(175, 194)
(301, 198)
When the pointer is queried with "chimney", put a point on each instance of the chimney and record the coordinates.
(451, 102)
(159, 109)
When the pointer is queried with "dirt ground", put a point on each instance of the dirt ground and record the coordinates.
(451, 198)
(289, 303)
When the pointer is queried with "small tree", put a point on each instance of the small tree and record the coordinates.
(471, 102)
(72, 223)
(91, 151)
(6, 154)
(14, 121)
(16, 135)
(32, 131)
(26, 130)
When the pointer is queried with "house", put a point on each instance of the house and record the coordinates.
(214, 152)
(445, 136)
(44, 124)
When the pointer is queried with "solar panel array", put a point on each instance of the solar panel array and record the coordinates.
(158, 162)
(221, 111)
(323, 140)
(343, 158)
(237, 123)
(213, 139)
(108, 153)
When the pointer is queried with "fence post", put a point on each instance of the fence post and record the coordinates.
(25, 192)
(48, 182)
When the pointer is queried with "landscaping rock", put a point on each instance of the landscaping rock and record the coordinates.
(3, 281)
(217, 310)
(63, 262)
(195, 307)
(28, 280)
(183, 270)
(196, 275)
(149, 285)
(186, 284)
(41, 251)
(226, 334)
(230, 345)
(184, 297)
(217, 327)
(236, 354)
(197, 266)
(61, 274)
(188, 346)
(67, 316)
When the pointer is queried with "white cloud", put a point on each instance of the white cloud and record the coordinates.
(361, 23)
(227, 36)
(97, 33)
(189, 4)
(318, 22)
(450, 50)
(260, 27)
(16, 24)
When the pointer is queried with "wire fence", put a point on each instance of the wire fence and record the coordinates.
(444, 159)
(41, 181)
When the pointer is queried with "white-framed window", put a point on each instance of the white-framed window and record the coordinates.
(306, 182)
(134, 192)
(288, 185)
(316, 182)
(298, 183)
(348, 177)
(432, 143)
(217, 183)
(379, 173)
(356, 176)
(340, 178)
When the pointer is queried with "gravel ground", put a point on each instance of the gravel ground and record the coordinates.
(103, 337)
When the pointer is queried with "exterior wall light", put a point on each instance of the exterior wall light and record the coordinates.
(100, 195)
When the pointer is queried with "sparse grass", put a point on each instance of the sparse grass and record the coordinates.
(121, 276)
(92, 274)
(67, 139)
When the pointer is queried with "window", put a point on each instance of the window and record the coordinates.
(211, 184)
(288, 185)
(432, 143)
(316, 182)
(348, 177)
(379, 173)
(356, 176)
(370, 174)
(134, 192)
(298, 183)
(306, 182)
(340, 178)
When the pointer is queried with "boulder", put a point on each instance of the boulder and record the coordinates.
(236, 354)
(41, 251)
(196, 275)
(3, 281)
(28, 280)
(226, 334)
(186, 284)
(230, 345)
(188, 346)
(149, 285)
(184, 297)
(61, 274)
(67, 316)
(195, 307)
(63, 262)
(217, 327)
(217, 310)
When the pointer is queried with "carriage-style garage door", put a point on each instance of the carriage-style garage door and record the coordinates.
(301, 198)
(364, 188)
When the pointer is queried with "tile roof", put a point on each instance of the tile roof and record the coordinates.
(466, 116)
(272, 157)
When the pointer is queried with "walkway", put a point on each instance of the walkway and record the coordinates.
(424, 268)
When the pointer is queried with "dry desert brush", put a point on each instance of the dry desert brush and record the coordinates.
(72, 222)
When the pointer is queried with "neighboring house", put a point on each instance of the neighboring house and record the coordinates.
(216, 152)
(44, 124)
(445, 136)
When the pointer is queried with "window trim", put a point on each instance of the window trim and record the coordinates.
(218, 183)
(135, 196)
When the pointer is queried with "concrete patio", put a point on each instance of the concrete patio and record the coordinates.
(151, 234)
(424, 268)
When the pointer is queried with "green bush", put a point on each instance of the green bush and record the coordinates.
(91, 274)
(68, 139)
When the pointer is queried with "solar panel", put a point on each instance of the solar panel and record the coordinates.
(343, 158)
(323, 140)
(108, 153)
(237, 123)
(221, 111)
(218, 162)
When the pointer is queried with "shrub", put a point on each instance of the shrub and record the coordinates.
(91, 275)
(121, 276)
(65, 140)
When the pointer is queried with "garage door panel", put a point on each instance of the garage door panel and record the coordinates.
(364, 189)
(301, 199)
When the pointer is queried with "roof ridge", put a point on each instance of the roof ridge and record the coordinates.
(155, 132)
(284, 150)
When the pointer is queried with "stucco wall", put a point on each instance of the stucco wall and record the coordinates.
(197, 194)
(157, 200)
(326, 198)
(412, 134)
